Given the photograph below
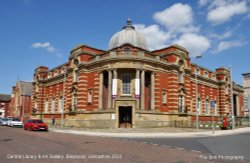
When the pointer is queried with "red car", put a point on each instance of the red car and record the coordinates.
(35, 124)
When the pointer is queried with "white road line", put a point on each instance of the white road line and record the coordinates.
(144, 142)
(166, 146)
(179, 148)
(154, 144)
(196, 151)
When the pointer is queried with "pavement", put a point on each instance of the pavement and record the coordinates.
(151, 132)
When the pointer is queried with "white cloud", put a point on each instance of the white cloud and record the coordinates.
(155, 37)
(40, 45)
(194, 43)
(176, 18)
(45, 45)
(179, 29)
(224, 45)
(223, 11)
(225, 35)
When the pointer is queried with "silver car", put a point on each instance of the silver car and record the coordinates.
(3, 121)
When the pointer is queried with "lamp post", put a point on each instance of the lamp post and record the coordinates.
(196, 93)
(232, 98)
(63, 98)
(213, 103)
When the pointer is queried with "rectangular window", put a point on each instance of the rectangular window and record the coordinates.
(206, 74)
(75, 76)
(46, 106)
(213, 77)
(198, 106)
(55, 72)
(53, 106)
(74, 102)
(164, 97)
(206, 107)
(61, 105)
(90, 96)
(198, 71)
(180, 77)
(181, 104)
(126, 84)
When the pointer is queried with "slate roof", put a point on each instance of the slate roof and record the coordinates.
(5, 97)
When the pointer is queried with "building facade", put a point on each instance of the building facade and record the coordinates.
(4, 105)
(246, 85)
(131, 86)
(21, 100)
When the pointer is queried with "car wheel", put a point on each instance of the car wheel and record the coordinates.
(24, 128)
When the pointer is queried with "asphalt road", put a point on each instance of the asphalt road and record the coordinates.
(17, 145)
(217, 148)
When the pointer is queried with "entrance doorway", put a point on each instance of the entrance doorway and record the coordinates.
(125, 116)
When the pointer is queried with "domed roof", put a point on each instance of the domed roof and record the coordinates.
(128, 35)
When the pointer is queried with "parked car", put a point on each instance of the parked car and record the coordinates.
(15, 122)
(8, 122)
(35, 124)
(3, 121)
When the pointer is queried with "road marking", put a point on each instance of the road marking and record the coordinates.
(196, 151)
(166, 146)
(179, 148)
(144, 142)
(154, 144)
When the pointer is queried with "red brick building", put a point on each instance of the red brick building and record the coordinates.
(21, 100)
(4, 105)
(130, 86)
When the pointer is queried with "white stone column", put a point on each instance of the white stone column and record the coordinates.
(142, 90)
(137, 88)
(109, 89)
(114, 84)
(100, 90)
(152, 90)
(137, 84)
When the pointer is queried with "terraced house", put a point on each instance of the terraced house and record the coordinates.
(130, 86)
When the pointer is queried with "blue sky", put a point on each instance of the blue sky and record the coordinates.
(42, 32)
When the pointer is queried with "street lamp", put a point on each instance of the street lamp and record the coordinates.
(196, 93)
(232, 98)
(213, 103)
(63, 98)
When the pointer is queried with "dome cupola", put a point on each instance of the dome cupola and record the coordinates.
(128, 35)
